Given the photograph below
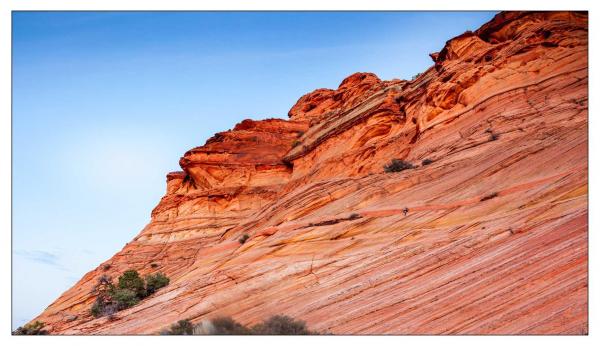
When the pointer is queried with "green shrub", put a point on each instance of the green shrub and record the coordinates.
(493, 135)
(354, 216)
(397, 165)
(426, 162)
(281, 325)
(131, 280)
(155, 282)
(35, 328)
(228, 326)
(128, 292)
(97, 308)
(103, 305)
(182, 327)
(124, 298)
(243, 238)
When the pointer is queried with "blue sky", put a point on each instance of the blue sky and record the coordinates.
(105, 103)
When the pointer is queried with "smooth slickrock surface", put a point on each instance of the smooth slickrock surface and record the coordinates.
(495, 238)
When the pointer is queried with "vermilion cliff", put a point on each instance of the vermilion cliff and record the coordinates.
(494, 239)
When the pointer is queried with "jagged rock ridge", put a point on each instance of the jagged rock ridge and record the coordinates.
(491, 237)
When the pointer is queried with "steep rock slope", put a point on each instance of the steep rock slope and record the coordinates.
(490, 237)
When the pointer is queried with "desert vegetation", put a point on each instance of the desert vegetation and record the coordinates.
(155, 282)
(397, 165)
(182, 327)
(275, 325)
(129, 291)
(243, 238)
(493, 135)
(34, 328)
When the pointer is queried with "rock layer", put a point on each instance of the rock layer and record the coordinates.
(487, 236)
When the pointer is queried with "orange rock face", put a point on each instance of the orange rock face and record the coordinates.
(489, 235)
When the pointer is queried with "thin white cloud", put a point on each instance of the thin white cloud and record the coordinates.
(44, 257)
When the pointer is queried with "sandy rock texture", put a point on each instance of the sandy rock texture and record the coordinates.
(489, 235)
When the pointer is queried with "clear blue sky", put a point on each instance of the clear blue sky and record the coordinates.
(104, 104)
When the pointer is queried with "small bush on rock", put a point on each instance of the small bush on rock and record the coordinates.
(276, 325)
(97, 308)
(35, 328)
(397, 166)
(155, 282)
(244, 238)
(182, 327)
(131, 288)
(281, 325)
(104, 308)
(124, 298)
(426, 162)
(131, 280)
(228, 326)
(104, 304)
(354, 216)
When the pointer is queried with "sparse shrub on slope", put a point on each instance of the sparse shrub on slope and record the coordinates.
(129, 291)
(131, 280)
(275, 325)
(155, 282)
(100, 308)
(281, 325)
(182, 327)
(124, 298)
(243, 238)
(104, 304)
(35, 328)
(397, 166)
(354, 216)
(228, 326)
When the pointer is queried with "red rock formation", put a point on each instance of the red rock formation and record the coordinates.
(491, 237)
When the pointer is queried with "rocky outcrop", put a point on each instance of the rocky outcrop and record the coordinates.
(489, 235)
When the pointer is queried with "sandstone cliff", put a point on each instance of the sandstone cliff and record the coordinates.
(494, 240)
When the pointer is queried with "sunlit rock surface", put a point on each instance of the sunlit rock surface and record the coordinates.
(490, 237)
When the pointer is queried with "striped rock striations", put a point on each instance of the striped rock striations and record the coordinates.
(486, 234)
